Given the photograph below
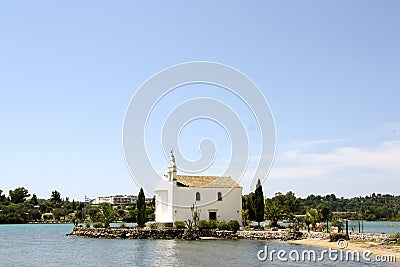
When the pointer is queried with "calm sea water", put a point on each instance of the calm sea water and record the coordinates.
(47, 245)
(376, 227)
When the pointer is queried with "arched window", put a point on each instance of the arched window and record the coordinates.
(198, 196)
(219, 195)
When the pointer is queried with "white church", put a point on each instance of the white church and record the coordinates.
(216, 197)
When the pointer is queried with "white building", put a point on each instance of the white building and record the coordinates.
(216, 198)
(101, 200)
(115, 200)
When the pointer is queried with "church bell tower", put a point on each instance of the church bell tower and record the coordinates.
(172, 168)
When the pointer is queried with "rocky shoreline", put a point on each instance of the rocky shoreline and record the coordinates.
(172, 233)
(135, 233)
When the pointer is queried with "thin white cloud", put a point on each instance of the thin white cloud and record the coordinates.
(384, 158)
(325, 160)
(309, 143)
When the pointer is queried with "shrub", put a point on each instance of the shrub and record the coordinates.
(223, 226)
(203, 224)
(87, 224)
(397, 236)
(153, 226)
(122, 225)
(179, 224)
(395, 239)
(212, 224)
(233, 225)
(98, 225)
(336, 236)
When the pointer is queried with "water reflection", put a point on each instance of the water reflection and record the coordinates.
(165, 253)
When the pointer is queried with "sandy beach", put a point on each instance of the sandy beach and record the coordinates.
(374, 248)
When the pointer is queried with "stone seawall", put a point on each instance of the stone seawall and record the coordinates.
(134, 233)
(269, 235)
(172, 233)
(352, 236)
(369, 237)
(315, 235)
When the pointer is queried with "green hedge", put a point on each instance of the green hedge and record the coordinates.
(180, 224)
(234, 225)
(223, 226)
(203, 224)
(212, 224)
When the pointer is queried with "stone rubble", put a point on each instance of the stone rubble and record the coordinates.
(173, 233)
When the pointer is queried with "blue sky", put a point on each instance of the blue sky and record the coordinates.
(328, 69)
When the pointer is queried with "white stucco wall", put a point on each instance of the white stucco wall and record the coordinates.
(164, 199)
(227, 209)
(183, 197)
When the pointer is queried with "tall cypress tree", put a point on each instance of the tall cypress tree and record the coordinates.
(34, 199)
(259, 203)
(141, 206)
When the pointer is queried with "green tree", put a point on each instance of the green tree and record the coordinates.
(307, 221)
(108, 214)
(132, 216)
(313, 217)
(34, 214)
(141, 207)
(259, 203)
(2, 197)
(93, 212)
(55, 196)
(34, 200)
(18, 195)
(326, 215)
(280, 200)
(56, 214)
(247, 204)
(292, 204)
(245, 217)
(274, 212)
(121, 211)
(79, 215)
